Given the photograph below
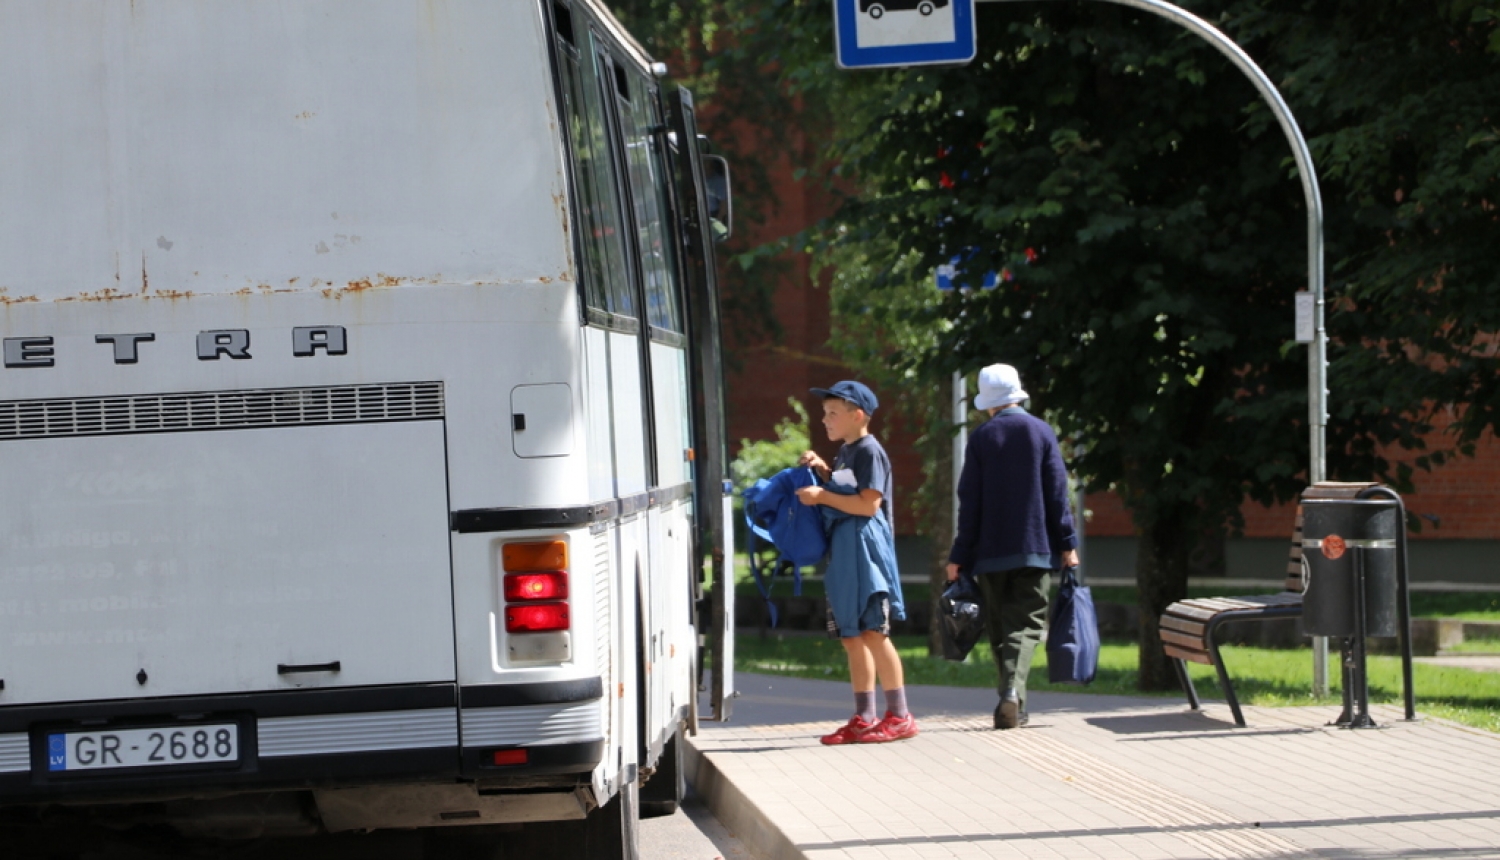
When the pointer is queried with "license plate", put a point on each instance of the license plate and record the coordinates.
(143, 747)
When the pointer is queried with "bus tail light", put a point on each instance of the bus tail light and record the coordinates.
(530, 557)
(549, 585)
(536, 617)
(506, 758)
(534, 591)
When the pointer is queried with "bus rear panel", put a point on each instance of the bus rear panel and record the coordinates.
(321, 480)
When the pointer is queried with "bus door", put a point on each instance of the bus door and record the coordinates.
(714, 494)
(611, 334)
(665, 611)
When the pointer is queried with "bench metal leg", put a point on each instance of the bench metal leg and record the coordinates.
(1213, 648)
(1186, 681)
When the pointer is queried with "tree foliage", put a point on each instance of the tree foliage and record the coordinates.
(1141, 206)
(743, 108)
(1139, 196)
(763, 458)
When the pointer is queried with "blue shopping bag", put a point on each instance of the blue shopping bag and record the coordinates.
(1073, 633)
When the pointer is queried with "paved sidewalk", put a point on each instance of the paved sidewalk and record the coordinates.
(1093, 777)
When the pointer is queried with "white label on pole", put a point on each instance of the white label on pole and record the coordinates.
(872, 34)
(1306, 331)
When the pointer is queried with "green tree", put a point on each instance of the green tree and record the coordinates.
(744, 110)
(763, 458)
(1139, 201)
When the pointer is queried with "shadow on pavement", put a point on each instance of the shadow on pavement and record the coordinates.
(765, 700)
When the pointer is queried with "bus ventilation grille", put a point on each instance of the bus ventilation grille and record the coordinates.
(220, 410)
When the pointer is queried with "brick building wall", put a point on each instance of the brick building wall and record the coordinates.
(762, 372)
(1459, 500)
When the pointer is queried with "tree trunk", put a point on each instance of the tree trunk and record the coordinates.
(1161, 575)
(1207, 557)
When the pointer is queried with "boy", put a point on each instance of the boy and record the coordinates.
(864, 587)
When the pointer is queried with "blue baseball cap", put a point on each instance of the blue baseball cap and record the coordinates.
(855, 392)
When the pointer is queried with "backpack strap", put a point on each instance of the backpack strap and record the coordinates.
(762, 580)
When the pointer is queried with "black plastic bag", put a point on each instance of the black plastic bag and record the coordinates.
(960, 617)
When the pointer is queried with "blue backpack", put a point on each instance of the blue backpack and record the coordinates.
(774, 515)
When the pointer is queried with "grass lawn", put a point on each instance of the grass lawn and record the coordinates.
(1262, 676)
(1468, 605)
(912, 592)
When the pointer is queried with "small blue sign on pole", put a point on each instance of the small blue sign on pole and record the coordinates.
(873, 34)
(953, 276)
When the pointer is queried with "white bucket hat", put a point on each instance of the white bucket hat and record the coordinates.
(999, 385)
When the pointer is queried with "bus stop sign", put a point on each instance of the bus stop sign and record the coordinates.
(873, 34)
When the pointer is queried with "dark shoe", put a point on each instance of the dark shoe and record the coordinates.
(1009, 714)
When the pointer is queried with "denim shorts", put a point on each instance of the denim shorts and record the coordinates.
(876, 617)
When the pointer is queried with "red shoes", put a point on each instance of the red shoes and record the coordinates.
(860, 731)
(892, 728)
(850, 732)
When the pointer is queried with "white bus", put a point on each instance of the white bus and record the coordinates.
(360, 434)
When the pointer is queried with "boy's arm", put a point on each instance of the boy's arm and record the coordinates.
(865, 504)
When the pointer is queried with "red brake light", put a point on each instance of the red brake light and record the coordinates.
(536, 586)
(510, 757)
(536, 617)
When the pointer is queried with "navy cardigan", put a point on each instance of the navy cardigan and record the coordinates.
(1013, 497)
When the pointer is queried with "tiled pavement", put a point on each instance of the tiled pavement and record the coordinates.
(1094, 777)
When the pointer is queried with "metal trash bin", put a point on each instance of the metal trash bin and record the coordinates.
(1355, 585)
(1331, 530)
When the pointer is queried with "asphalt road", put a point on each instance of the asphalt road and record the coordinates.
(692, 834)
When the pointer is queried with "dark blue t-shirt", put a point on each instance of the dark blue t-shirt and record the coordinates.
(872, 470)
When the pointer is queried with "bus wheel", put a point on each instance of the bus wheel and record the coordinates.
(663, 792)
(614, 830)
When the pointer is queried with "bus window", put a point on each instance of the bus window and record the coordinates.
(606, 279)
(639, 115)
(720, 203)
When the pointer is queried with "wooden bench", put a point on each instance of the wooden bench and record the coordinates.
(1188, 626)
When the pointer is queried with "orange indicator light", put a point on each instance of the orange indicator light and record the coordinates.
(540, 556)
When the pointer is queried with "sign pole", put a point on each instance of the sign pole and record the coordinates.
(961, 438)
